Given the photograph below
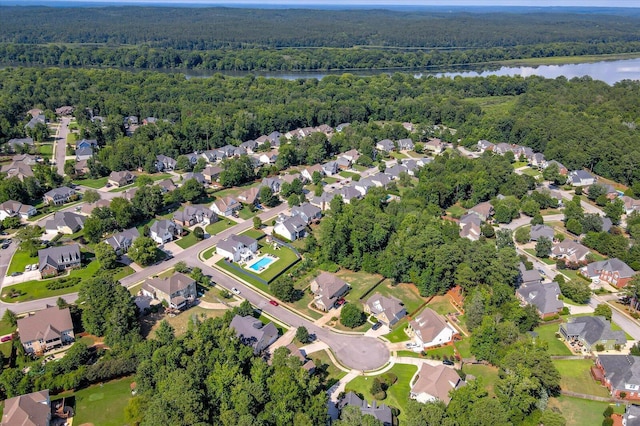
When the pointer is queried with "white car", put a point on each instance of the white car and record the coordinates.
(235, 290)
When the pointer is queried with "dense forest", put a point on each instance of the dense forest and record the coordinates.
(295, 40)
(581, 123)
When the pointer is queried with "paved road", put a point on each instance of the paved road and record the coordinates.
(60, 146)
(627, 324)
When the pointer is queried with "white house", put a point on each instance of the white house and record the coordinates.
(581, 178)
(163, 231)
(226, 206)
(237, 247)
(12, 208)
(290, 227)
(429, 329)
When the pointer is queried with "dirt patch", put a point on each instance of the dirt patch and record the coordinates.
(148, 321)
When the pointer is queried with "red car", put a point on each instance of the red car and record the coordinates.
(5, 338)
(340, 301)
(273, 302)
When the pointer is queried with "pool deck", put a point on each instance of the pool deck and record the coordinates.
(264, 267)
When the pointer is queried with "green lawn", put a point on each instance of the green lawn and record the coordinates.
(545, 260)
(547, 333)
(441, 305)
(208, 253)
(440, 352)
(45, 150)
(102, 404)
(323, 362)
(37, 289)
(398, 334)
(360, 283)
(456, 211)
(92, 183)
(187, 241)
(246, 213)
(329, 180)
(531, 172)
(519, 164)
(575, 377)
(397, 394)
(407, 293)
(254, 233)
(464, 347)
(489, 375)
(6, 328)
(397, 155)
(123, 271)
(286, 258)
(347, 174)
(302, 305)
(19, 260)
(582, 412)
(219, 226)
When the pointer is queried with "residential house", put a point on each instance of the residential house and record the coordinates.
(581, 178)
(406, 145)
(561, 167)
(387, 310)
(121, 178)
(250, 195)
(128, 194)
(385, 145)
(296, 352)
(272, 182)
(307, 212)
(65, 223)
(59, 196)
(149, 120)
(122, 241)
(591, 331)
(609, 191)
(268, 157)
(53, 260)
(570, 251)
(470, 231)
(213, 155)
(348, 193)
(194, 215)
(211, 173)
(86, 143)
(538, 231)
(199, 177)
(434, 383)
(409, 127)
(380, 179)
(327, 289)
(17, 144)
(537, 160)
(544, 297)
(363, 186)
(434, 145)
(45, 330)
(326, 129)
(381, 412)
(178, 290)
(631, 415)
(81, 167)
(290, 227)
(237, 248)
(65, 110)
(289, 178)
(18, 169)
(429, 329)
(323, 202)
(343, 163)
(606, 224)
(249, 146)
(167, 185)
(330, 168)
(620, 374)
(84, 153)
(551, 193)
(88, 208)
(630, 204)
(502, 148)
(35, 120)
(34, 111)
(131, 120)
(614, 271)
(470, 218)
(164, 231)
(484, 145)
(340, 127)
(226, 206)
(252, 332)
(13, 208)
(529, 276)
(394, 171)
(193, 158)
(164, 163)
(309, 171)
(352, 155)
(31, 409)
(483, 210)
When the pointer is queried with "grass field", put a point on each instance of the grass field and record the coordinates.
(254, 233)
(322, 361)
(519, 164)
(19, 260)
(180, 322)
(45, 150)
(398, 334)
(464, 347)
(441, 305)
(92, 183)
(488, 374)
(575, 377)
(407, 293)
(440, 352)
(360, 283)
(456, 211)
(531, 172)
(103, 404)
(547, 333)
(582, 412)
(397, 394)
(397, 155)
(302, 305)
(546, 260)
(187, 241)
(6, 328)
(219, 226)
(495, 106)
(346, 174)
(208, 253)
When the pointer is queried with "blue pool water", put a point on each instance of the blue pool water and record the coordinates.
(261, 263)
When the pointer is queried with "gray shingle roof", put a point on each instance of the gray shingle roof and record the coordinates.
(621, 369)
(593, 329)
(543, 296)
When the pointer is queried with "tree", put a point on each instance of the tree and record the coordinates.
(577, 291)
(530, 207)
(191, 190)
(523, 235)
(543, 247)
(351, 316)
(11, 222)
(614, 210)
(257, 222)
(487, 230)
(283, 289)
(316, 177)
(603, 310)
(504, 238)
(198, 232)
(106, 255)
(267, 198)
(352, 416)
(595, 191)
(552, 173)
(181, 267)
(144, 180)
(90, 196)
(148, 200)
(293, 200)
(123, 212)
(537, 219)
(302, 335)
(10, 318)
(574, 226)
(632, 291)
(29, 238)
(183, 163)
(143, 251)
(592, 222)
(165, 334)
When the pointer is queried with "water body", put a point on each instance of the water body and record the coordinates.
(610, 72)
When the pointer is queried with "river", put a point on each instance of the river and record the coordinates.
(610, 72)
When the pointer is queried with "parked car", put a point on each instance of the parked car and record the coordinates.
(273, 302)
(6, 338)
(340, 301)
(15, 274)
(447, 362)
(5, 246)
(27, 268)
(376, 325)
(235, 290)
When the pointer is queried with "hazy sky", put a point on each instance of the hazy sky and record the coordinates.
(583, 3)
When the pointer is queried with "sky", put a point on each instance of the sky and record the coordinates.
(535, 3)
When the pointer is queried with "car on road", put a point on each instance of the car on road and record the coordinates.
(273, 302)
(6, 338)
(376, 325)
(5, 246)
(15, 274)
(447, 362)
(235, 290)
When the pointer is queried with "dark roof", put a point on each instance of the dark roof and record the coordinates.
(538, 231)
(593, 329)
(32, 409)
(54, 256)
(610, 265)
(543, 296)
(381, 412)
(621, 369)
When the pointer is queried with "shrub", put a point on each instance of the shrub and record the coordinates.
(565, 311)
(623, 395)
(599, 347)
(607, 422)
(608, 411)
(351, 316)
(63, 283)
(389, 379)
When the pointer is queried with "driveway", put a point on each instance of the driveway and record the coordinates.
(60, 144)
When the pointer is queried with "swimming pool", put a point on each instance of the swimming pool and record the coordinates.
(261, 264)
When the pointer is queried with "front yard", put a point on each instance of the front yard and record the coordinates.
(19, 260)
(576, 377)
(92, 183)
(187, 241)
(219, 226)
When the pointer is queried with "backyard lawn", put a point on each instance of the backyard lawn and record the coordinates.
(488, 374)
(582, 412)
(180, 322)
(92, 183)
(441, 305)
(456, 211)
(575, 377)
(547, 333)
(219, 226)
(19, 260)
(45, 150)
(464, 347)
(360, 283)
(407, 293)
(397, 394)
(102, 404)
